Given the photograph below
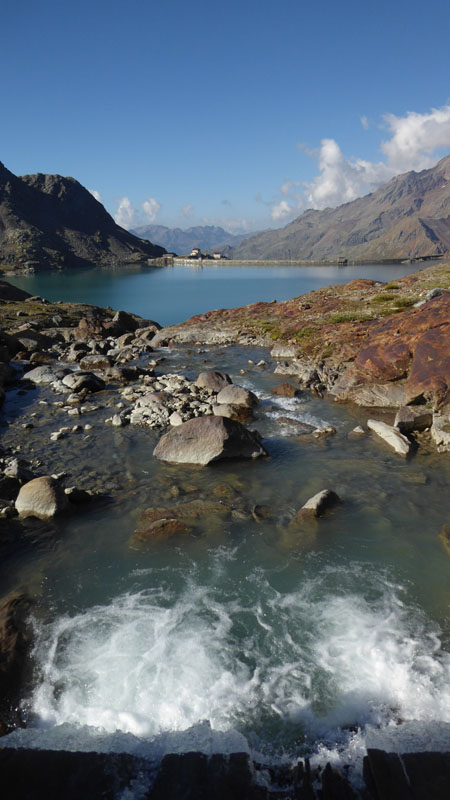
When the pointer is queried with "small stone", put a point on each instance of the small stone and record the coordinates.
(56, 436)
(358, 431)
(327, 430)
(88, 426)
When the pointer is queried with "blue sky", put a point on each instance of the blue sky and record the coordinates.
(241, 114)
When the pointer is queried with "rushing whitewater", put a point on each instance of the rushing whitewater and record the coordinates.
(247, 634)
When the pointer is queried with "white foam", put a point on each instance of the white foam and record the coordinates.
(340, 667)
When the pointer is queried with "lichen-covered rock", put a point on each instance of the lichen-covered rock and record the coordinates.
(42, 497)
(206, 439)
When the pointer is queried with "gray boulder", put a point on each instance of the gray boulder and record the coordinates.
(42, 498)
(77, 381)
(215, 381)
(206, 439)
(45, 374)
(237, 396)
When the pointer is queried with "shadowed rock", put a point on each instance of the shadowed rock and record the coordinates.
(206, 439)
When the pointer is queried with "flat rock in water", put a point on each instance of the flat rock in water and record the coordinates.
(391, 436)
(285, 390)
(205, 439)
(42, 498)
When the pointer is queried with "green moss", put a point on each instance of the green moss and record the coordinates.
(392, 286)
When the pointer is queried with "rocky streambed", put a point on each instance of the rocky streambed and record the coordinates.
(109, 422)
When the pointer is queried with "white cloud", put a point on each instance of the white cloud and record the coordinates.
(281, 210)
(151, 207)
(96, 194)
(126, 215)
(416, 142)
(416, 138)
(364, 122)
(187, 211)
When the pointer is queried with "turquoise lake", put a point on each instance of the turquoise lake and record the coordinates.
(244, 635)
(172, 294)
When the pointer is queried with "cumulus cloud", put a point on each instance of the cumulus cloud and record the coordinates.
(150, 207)
(281, 210)
(416, 138)
(127, 216)
(364, 122)
(187, 211)
(416, 142)
(96, 194)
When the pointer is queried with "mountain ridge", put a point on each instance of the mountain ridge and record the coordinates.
(49, 221)
(408, 217)
(182, 241)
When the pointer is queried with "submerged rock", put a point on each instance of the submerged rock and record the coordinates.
(206, 439)
(42, 498)
(15, 642)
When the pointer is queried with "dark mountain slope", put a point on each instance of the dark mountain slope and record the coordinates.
(408, 217)
(51, 221)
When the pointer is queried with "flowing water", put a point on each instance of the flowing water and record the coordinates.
(246, 634)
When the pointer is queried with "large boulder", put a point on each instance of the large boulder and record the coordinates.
(215, 381)
(42, 498)
(237, 396)
(206, 439)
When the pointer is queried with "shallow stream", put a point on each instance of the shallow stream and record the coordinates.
(245, 634)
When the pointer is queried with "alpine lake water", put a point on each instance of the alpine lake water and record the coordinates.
(247, 635)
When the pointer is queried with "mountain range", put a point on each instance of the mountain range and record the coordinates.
(177, 240)
(408, 217)
(48, 221)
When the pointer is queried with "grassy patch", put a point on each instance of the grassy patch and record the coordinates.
(349, 316)
(405, 302)
(384, 297)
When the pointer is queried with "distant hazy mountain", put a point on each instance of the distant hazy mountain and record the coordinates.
(51, 221)
(408, 217)
(176, 240)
